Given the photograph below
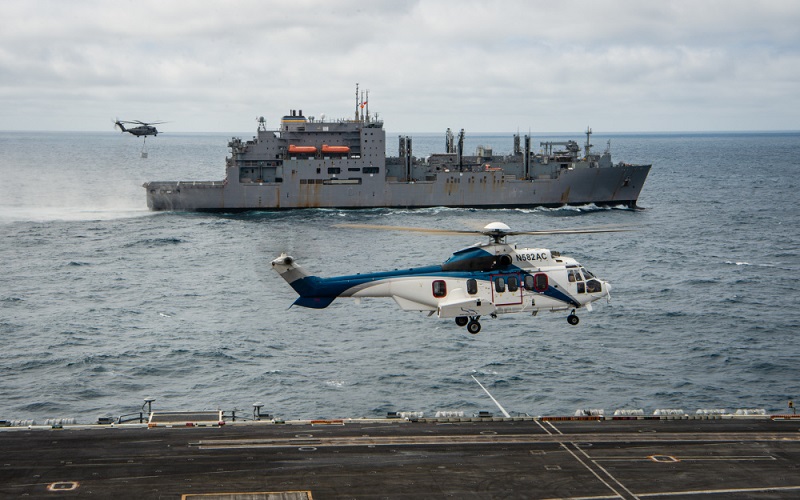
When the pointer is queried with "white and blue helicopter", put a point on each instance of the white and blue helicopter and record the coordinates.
(488, 278)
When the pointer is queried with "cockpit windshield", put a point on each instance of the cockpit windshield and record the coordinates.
(587, 274)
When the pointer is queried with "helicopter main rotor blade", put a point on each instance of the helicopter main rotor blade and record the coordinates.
(572, 231)
(456, 232)
(403, 228)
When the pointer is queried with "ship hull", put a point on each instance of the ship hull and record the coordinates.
(618, 185)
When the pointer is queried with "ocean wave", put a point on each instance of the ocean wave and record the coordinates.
(75, 263)
(155, 242)
(571, 210)
(102, 314)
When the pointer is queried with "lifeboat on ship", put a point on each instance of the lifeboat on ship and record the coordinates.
(306, 150)
(335, 149)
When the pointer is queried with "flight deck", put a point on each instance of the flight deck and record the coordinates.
(591, 457)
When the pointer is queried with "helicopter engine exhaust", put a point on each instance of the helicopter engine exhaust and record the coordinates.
(504, 260)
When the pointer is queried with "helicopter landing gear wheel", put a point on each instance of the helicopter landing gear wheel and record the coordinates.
(462, 320)
(573, 319)
(473, 326)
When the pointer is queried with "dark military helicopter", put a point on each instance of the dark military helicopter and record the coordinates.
(142, 128)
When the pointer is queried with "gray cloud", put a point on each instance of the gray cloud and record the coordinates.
(486, 66)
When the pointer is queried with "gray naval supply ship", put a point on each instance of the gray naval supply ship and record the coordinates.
(318, 163)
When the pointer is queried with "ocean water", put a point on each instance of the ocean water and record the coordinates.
(104, 304)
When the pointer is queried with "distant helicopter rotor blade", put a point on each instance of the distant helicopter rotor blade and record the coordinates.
(144, 123)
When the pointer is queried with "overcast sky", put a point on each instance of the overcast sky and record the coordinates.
(540, 66)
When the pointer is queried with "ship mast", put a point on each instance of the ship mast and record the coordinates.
(356, 102)
(588, 145)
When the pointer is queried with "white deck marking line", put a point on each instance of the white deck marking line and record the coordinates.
(576, 457)
(544, 428)
(554, 427)
(563, 445)
(725, 458)
(717, 492)
(608, 474)
(611, 476)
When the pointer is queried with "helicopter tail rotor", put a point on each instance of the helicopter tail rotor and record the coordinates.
(286, 266)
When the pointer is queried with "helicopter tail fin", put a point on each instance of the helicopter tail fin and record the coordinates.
(305, 285)
(291, 272)
(119, 125)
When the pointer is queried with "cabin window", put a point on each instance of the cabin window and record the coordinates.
(540, 282)
(500, 284)
(439, 288)
(581, 287)
(513, 283)
(472, 286)
(593, 286)
(370, 170)
(334, 170)
(528, 282)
